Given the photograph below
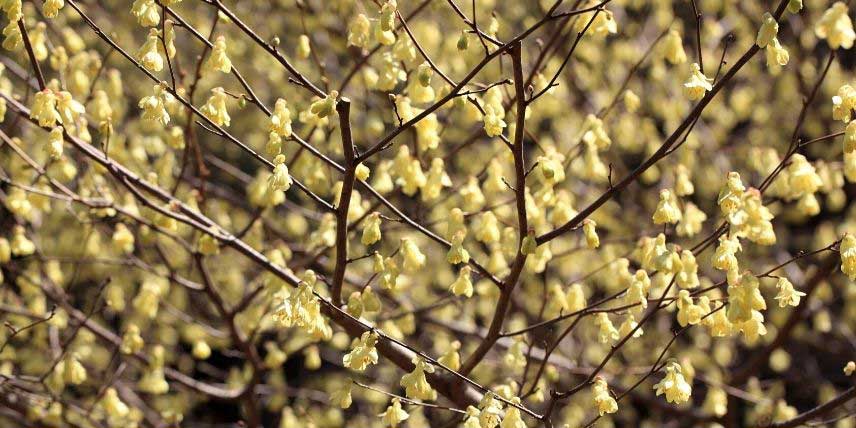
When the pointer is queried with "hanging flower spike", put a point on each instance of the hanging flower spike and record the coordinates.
(215, 108)
(280, 180)
(744, 298)
(847, 249)
(146, 12)
(787, 296)
(768, 31)
(154, 106)
(457, 253)
(363, 353)
(674, 385)
(55, 140)
(667, 209)
(590, 232)
(606, 331)
(44, 108)
(149, 54)
(51, 8)
(673, 48)
(325, 107)
(358, 31)
(415, 383)
(602, 398)
(371, 230)
(836, 27)
(394, 414)
(280, 120)
(698, 84)
(463, 286)
(493, 123)
(218, 60)
(412, 256)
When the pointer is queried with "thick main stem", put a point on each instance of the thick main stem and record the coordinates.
(344, 110)
(510, 282)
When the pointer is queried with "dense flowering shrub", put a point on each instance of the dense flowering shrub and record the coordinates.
(371, 213)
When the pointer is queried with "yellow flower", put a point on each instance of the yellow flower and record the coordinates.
(843, 103)
(513, 418)
(342, 395)
(303, 48)
(595, 133)
(280, 120)
(602, 398)
(849, 368)
(457, 253)
(674, 385)
(493, 122)
(673, 48)
(201, 350)
(149, 54)
(280, 180)
(687, 277)
(590, 232)
(835, 27)
(112, 405)
(415, 384)
(326, 106)
(411, 255)
(725, 256)
(628, 325)
(153, 382)
(20, 245)
(794, 6)
(363, 172)
(51, 8)
(132, 342)
(787, 296)
(394, 414)
(215, 108)
(767, 32)
(731, 196)
(154, 106)
(371, 230)
(606, 331)
(691, 221)
(55, 140)
(697, 84)
(847, 248)
(218, 60)
(490, 411)
(387, 15)
(744, 298)
(603, 24)
(802, 177)
(301, 308)
(5, 250)
(688, 313)
(777, 55)
(487, 230)
(358, 31)
(73, 371)
(208, 245)
(435, 180)
(667, 209)
(363, 353)
(146, 12)
(463, 286)
(631, 101)
(452, 358)
(13, 37)
(44, 108)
